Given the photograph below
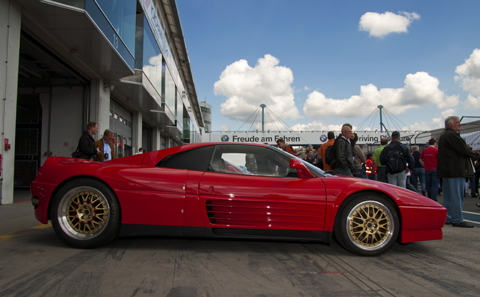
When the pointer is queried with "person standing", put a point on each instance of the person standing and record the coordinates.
(477, 175)
(418, 173)
(381, 169)
(398, 178)
(323, 149)
(428, 158)
(106, 146)
(454, 165)
(343, 151)
(309, 155)
(359, 157)
(86, 143)
(370, 169)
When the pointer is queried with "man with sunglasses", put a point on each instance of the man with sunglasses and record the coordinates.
(106, 146)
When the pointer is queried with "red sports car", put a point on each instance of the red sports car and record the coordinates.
(227, 190)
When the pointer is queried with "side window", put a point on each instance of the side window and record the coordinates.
(250, 160)
(195, 159)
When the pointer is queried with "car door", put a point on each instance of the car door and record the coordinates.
(153, 196)
(266, 194)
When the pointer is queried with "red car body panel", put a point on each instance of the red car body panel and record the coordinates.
(243, 201)
(156, 196)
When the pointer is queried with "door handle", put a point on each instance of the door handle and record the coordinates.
(211, 189)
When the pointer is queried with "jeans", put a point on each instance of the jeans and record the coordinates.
(372, 177)
(398, 179)
(473, 189)
(453, 189)
(358, 173)
(340, 170)
(418, 174)
(364, 171)
(410, 187)
(475, 184)
(431, 184)
(382, 174)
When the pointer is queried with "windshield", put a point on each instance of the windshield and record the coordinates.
(312, 168)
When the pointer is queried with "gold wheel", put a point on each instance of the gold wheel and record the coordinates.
(370, 225)
(83, 213)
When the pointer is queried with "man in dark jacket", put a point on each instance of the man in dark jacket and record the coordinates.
(400, 178)
(86, 143)
(454, 165)
(343, 150)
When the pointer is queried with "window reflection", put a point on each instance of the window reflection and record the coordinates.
(152, 58)
(121, 14)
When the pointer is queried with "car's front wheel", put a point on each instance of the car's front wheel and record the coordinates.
(85, 213)
(368, 225)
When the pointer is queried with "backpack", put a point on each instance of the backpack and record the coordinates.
(331, 154)
(395, 160)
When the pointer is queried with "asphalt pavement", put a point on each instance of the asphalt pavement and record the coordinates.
(35, 262)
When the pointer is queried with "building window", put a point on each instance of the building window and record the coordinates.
(121, 14)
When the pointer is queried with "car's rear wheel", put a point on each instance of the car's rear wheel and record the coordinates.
(368, 225)
(85, 213)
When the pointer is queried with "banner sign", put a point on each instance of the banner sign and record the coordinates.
(472, 139)
(304, 138)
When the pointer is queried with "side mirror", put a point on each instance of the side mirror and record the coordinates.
(301, 168)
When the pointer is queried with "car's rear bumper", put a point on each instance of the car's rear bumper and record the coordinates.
(422, 223)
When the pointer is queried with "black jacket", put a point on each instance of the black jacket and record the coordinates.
(454, 156)
(416, 156)
(86, 146)
(343, 150)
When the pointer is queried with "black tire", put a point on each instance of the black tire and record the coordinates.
(368, 225)
(85, 213)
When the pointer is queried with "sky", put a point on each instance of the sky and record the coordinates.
(319, 64)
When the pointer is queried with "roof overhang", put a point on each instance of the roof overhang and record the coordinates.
(71, 33)
(138, 92)
(179, 49)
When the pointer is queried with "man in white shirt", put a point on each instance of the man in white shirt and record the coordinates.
(106, 146)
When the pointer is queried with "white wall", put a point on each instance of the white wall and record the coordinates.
(66, 124)
(10, 23)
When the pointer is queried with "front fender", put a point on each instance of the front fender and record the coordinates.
(340, 189)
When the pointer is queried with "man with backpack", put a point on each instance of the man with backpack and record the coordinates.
(343, 152)
(323, 149)
(395, 157)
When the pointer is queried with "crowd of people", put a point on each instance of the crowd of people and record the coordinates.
(449, 165)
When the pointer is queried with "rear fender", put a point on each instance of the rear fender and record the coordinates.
(73, 178)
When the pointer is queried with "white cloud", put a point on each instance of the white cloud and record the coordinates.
(447, 113)
(422, 126)
(435, 123)
(382, 24)
(225, 128)
(316, 126)
(471, 67)
(420, 89)
(472, 102)
(469, 75)
(450, 101)
(246, 88)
